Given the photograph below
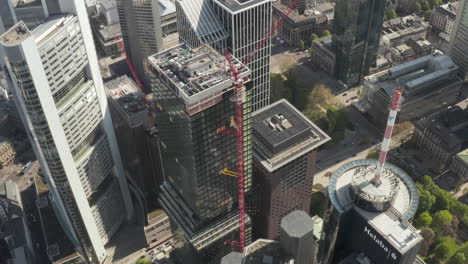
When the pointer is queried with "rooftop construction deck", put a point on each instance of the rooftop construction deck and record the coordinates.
(200, 76)
(128, 99)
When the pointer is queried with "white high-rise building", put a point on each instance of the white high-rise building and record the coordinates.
(459, 40)
(236, 25)
(58, 89)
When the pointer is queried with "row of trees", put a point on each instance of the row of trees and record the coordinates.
(313, 37)
(440, 217)
(426, 7)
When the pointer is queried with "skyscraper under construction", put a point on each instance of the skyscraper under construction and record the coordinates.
(239, 26)
(195, 115)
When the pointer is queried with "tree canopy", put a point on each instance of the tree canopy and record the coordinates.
(313, 37)
(427, 14)
(441, 219)
(417, 7)
(392, 14)
(326, 33)
(424, 219)
(301, 44)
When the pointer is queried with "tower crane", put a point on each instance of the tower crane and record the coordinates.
(239, 121)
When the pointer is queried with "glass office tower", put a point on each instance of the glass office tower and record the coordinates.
(195, 116)
(356, 37)
(459, 40)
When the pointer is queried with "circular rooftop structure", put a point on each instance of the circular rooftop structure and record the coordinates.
(351, 186)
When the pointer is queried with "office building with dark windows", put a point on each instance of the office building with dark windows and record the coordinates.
(140, 23)
(367, 223)
(58, 89)
(284, 154)
(430, 83)
(195, 116)
(356, 35)
(459, 40)
(234, 25)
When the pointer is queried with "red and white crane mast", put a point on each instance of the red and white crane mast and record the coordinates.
(394, 108)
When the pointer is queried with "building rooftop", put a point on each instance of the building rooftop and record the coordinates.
(199, 74)
(416, 74)
(105, 31)
(15, 35)
(128, 99)
(449, 9)
(25, 3)
(265, 251)
(463, 155)
(282, 133)
(352, 180)
(235, 6)
(232, 258)
(350, 185)
(449, 125)
(203, 20)
(166, 7)
(297, 224)
(51, 26)
(400, 26)
(316, 14)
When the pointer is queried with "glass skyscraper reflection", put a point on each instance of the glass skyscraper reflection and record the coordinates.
(356, 36)
(195, 117)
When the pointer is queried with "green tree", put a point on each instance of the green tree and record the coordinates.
(392, 14)
(435, 3)
(441, 219)
(442, 200)
(372, 155)
(143, 261)
(318, 203)
(426, 200)
(425, 5)
(326, 33)
(301, 44)
(458, 258)
(385, 17)
(445, 249)
(313, 37)
(427, 14)
(424, 219)
(428, 234)
(417, 7)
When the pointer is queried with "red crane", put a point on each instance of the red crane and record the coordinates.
(239, 120)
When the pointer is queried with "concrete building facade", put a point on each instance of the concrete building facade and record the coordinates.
(140, 22)
(459, 164)
(443, 135)
(305, 20)
(459, 40)
(443, 17)
(284, 151)
(57, 84)
(323, 56)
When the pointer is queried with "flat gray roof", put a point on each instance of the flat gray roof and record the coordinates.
(275, 147)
